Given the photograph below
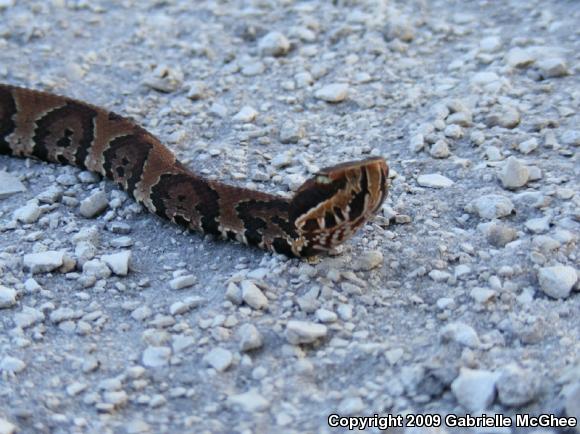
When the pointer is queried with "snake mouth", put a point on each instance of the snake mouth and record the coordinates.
(329, 208)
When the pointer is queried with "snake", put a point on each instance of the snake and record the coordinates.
(323, 212)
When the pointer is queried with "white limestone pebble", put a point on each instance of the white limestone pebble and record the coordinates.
(417, 142)
(400, 27)
(5, 426)
(368, 260)
(7, 297)
(439, 276)
(43, 262)
(461, 333)
(528, 146)
(504, 116)
(513, 174)
(553, 67)
(557, 281)
(85, 251)
(181, 282)
(351, 405)
(97, 268)
(138, 426)
(52, 194)
(234, 294)
(440, 149)
(482, 295)
(281, 160)
(118, 262)
(182, 306)
(28, 317)
(453, 131)
(434, 180)
(326, 316)
(63, 314)
(28, 213)
(291, 132)
(274, 44)
(517, 387)
(250, 401)
(571, 137)
(474, 389)
(519, 58)
(490, 44)
(141, 313)
(498, 234)
(94, 205)
(253, 68)
(304, 332)
(484, 78)
(11, 365)
(9, 185)
(491, 206)
(252, 295)
(197, 90)
(246, 114)
(249, 337)
(538, 225)
(75, 388)
(334, 92)
(219, 358)
(156, 356)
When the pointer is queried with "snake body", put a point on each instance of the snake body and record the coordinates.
(325, 211)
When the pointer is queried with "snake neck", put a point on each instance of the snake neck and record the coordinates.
(228, 211)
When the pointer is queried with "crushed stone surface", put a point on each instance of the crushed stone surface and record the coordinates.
(462, 295)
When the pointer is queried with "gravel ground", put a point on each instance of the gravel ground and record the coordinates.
(461, 297)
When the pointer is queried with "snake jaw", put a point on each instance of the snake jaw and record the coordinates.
(329, 208)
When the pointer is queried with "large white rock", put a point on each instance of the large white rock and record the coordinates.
(94, 205)
(253, 296)
(9, 185)
(219, 358)
(7, 297)
(514, 174)
(434, 180)
(274, 44)
(118, 262)
(474, 389)
(44, 262)
(492, 206)
(28, 213)
(304, 332)
(461, 333)
(155, 357)
(557, 281)
(335, 92)
(251, 401)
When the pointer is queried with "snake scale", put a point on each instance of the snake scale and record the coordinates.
(324, 212)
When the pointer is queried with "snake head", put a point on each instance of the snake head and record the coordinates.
(329, 208)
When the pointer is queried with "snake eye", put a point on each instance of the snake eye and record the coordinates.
(323, 179)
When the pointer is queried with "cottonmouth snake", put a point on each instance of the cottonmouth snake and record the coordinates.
(325, 211)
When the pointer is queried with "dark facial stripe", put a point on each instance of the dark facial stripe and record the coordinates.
(125, 159)
(187, 200)
(311, 195)
(358, 201)
(7, 124)
(65, 134)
